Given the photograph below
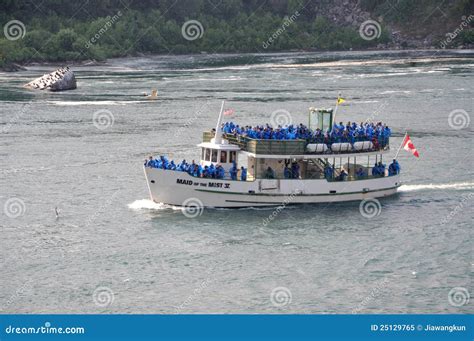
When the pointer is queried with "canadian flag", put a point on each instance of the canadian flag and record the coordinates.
(409, 147)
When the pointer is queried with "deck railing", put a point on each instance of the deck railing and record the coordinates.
(274, 147)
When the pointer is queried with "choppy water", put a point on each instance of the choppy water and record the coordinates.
(140, 257)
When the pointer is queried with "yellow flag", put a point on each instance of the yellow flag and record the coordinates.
(340, 100)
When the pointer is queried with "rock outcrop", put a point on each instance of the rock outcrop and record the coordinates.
(59, 80)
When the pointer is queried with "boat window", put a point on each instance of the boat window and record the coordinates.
(214, 156)
(208, 155)
(231, 157)
(203, 154)
(223, 156)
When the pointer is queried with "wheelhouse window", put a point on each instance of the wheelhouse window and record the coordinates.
(214, 156)
(208, 155)
(223, 156)
(232, 157)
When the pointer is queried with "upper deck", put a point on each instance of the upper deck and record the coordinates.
(300, 147)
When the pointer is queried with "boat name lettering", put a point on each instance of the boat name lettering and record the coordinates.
(219, 185)
(184, 182)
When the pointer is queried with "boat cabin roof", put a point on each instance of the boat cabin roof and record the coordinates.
(225, 145)
(315, 155)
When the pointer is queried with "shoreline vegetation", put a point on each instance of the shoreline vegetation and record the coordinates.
(85, 33)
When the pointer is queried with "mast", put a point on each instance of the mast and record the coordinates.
(218, 136)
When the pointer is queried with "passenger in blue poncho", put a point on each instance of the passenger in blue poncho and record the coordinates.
(233, 172)
(328, 172)
(394, 168)
(342, 176)
(295, 170)
(150, 163)
(375, 170)
(381, 167)
(360, 173)
(220, 172)
(286, 172)
(205, 173)
(243, 174)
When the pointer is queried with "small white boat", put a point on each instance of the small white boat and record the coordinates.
(317, 180)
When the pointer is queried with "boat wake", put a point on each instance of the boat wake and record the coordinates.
(450, 186)
(146, 204)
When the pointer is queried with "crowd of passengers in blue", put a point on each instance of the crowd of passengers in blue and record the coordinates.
(289, 172)
(194, 169)
(377, 133)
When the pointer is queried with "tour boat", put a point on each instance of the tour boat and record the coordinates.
(262, 187)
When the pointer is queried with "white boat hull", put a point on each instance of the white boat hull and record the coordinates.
(182, 189)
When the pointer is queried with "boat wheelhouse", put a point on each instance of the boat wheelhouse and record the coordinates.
(278, 171)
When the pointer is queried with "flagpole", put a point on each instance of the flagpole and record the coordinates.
(335, 111)
(401, 144)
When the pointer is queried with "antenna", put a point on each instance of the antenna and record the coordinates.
(218, 136)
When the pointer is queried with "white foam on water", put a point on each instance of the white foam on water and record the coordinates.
(452, 186)
(73, 103)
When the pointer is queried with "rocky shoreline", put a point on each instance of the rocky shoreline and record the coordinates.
(398, 45)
